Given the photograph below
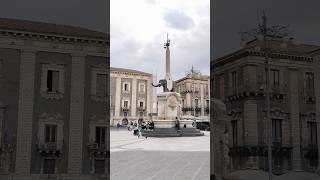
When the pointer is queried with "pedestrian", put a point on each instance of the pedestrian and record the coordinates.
(177, 123)
(118, 126)
(139, 133)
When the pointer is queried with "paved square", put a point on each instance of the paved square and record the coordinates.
(174, 158)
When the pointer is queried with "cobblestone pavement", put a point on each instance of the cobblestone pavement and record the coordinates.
(176, 158)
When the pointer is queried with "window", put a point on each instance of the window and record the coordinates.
(101, 85)
(274, 77)
(125, 104)
(100, 135)
(126, 87)
(309, 80)
(234, 80)
(141, 104)
(49, 166)
(276, 131)
(234, 132)
(196, 101)
(125, 114)
(141, 88)
(52, 81)
(50, 133)
(208, 103)
(99, 166)
(312, 129)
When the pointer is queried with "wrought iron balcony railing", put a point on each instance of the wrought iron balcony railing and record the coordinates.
(50, 146)
(93, 146)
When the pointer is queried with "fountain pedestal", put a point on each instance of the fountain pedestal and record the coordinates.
(165, 125)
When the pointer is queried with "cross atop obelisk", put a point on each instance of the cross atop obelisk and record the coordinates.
(168, 73)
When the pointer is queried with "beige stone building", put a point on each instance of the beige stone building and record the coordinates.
(239, 79)
(53, 98)
(131, 96)
(195, 92)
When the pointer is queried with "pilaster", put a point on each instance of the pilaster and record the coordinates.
(134, 97)
(117, 97)
(25, 112)
(202, 99)
(76, 114)
(295, 118)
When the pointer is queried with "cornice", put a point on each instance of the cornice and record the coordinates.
(53, 37)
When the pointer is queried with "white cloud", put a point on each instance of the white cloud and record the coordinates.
(138, 31)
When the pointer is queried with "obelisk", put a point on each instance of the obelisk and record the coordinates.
(168, 73)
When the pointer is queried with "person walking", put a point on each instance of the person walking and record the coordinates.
(177, 123)
(118, 126)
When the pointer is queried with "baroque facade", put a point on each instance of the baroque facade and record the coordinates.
(239, 80)
(53, 115)
(194, 90)
(131, 96)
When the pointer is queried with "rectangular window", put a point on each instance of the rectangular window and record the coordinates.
(125, 103)
(274, 77)
(234, 80)
(141, 104)
(141, 88)
(49, 166)
(312, 129)
(101, 85)
(100, 135)
(196, 102)
(99, 166)
(52, 81)
(50, 133)
(126, 87)
(234, 132)
(276, 131)
(309, 80)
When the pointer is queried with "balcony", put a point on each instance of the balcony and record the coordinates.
(254, 90)
(141, 109)
(189, 90)
(125, 108)
(50, 147)
(98, 150)
(197, 109)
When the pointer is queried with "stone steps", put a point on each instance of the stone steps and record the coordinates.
(172, 132)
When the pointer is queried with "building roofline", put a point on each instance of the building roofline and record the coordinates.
(116, 69)
(37, 29)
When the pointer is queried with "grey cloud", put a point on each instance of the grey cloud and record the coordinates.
(178, 20)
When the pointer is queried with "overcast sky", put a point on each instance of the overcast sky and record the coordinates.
(92, 14)
(138, 31)
(230, 17)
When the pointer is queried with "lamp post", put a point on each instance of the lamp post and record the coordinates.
(272, 32)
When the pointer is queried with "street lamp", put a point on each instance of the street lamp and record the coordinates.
(272, 32)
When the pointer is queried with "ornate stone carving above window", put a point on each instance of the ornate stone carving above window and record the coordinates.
(235, 115)
(309, 116)
(278, 114)
(52, 80)
(99, 80)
